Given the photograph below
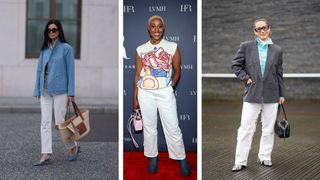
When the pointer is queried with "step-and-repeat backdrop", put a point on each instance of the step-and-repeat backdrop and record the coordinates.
(180, 18)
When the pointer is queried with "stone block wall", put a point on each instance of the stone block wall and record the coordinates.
(294, 25)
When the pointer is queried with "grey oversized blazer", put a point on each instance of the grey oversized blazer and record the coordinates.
(246, 65)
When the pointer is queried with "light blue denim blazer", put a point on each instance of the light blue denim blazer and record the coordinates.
(60, 60)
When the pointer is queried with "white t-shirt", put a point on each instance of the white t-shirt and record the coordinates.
(156, 59)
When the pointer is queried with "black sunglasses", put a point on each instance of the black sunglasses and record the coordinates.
(259, 29)
(53, 30)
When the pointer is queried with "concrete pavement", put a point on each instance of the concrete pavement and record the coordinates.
(294, 158)
(20, 147)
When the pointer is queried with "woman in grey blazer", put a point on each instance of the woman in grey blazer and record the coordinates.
(258, 64)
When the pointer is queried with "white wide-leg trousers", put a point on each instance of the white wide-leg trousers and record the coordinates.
(250, 113)
(59, 104)
(164, 101)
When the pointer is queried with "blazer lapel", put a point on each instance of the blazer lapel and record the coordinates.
(256, 59)
(270, 58)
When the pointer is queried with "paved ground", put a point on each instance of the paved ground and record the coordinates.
(20, 147)
(295, 158)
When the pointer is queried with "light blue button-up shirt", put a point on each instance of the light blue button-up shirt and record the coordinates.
(263, 52)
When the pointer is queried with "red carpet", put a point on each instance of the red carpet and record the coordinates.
(135, 167)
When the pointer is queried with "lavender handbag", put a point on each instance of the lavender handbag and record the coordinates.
(136, 120)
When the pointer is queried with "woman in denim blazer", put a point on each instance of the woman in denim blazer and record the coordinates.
(54, 86)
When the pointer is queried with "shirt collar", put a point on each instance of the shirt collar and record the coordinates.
(269, 41)
(57, 42)
(156, 45)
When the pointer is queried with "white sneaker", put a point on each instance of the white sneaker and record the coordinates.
(237, 168)
(266, 163)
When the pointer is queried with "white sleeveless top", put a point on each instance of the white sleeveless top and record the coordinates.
(156, 59)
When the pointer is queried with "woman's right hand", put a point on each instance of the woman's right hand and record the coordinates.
(135, 104)
(36, 97)
(249, 81)
(136, 79)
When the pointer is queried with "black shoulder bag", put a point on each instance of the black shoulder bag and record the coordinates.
(282, 127)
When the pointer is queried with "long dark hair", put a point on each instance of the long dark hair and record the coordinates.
(46, 38)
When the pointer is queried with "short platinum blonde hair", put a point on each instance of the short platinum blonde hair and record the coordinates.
(155, 17)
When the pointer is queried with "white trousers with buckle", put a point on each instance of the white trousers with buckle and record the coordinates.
(48, 102)
(164, 101)
(250, 113)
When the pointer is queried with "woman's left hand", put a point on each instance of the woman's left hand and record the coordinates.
(281, 100)
(70, 99)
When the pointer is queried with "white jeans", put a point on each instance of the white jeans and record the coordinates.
(59, 103)
(164, 101)
(250, 113)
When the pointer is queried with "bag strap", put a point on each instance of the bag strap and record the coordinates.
(137, 114)
(68, 115)
(77, 110)
(129, 127)
(281, 106)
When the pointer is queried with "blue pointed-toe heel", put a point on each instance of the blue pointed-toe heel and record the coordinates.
(44, 162)
(73, 157)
